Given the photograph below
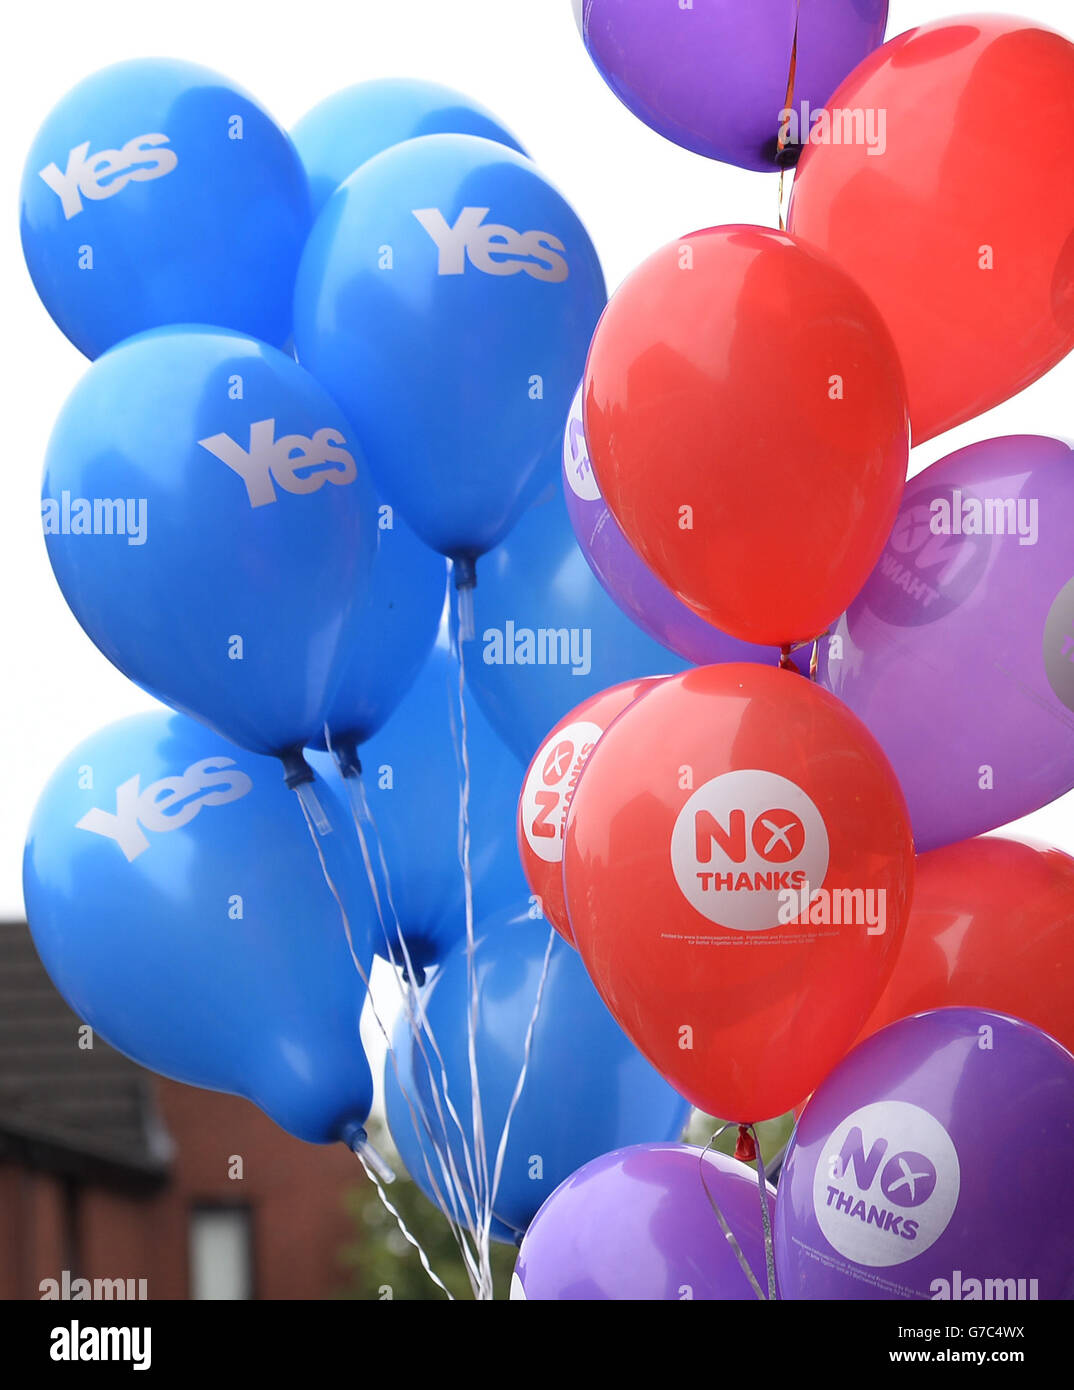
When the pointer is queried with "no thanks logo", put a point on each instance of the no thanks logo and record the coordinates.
(886, 1184)
(550, 787)
(741, 841)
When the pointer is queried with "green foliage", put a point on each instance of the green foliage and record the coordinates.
(773, 1134)
(380, 1263)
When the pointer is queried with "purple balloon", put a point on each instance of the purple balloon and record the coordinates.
(958, 654)
(637, 1224)
(934, 1162)
(627, 579)
(714, 77)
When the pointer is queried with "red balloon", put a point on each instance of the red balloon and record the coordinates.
(709, 813)
(549, 787)
(992, 927)
(960, 222)
(746, 420)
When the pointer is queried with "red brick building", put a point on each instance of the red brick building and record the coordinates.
(109, 1173)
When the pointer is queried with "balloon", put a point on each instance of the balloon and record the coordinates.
(934, 1163)
(992, 927)
(549, 636)
(158, 192)
(446, 298)
(390, 633)
(177, 904)
(968, 617)
(716, 79)
(412, 775)
(348, 128)
(638, 1225)
(624, 576)
(967, 247)
(776, 488)
(738, 870)
(587, 1090)
(209, 518)
(549, 787)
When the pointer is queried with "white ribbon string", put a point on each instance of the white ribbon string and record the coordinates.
(407, 1235)
(483, 1191)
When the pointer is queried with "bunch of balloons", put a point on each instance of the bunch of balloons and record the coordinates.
(731, 851)
(329, 373)
(619, 672)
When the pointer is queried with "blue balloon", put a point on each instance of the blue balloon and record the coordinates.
(180, 909)
(411, 777)
(350, 127)
(209, 518)
(587, 1090)
(159, 192)
(390, 632)
(446, 298)
(547, 636)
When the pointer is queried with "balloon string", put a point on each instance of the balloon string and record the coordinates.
(766, 1216)
(364, 974)
(788, 105)
(456, 1192)
(373, 1177)
(480, 1149)
(729, 1235)
(419, 1023)
(520, 1084)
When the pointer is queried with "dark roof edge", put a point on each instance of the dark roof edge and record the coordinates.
(72, 1157)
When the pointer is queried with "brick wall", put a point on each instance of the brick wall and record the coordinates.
(295, 1192)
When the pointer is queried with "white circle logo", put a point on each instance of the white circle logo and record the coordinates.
(886, 1184)
(550, 786)
(742, 842)
(576, 463)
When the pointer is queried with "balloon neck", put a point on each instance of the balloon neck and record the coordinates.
(345, 753)
(746, 1148)
(356, 1139)
(786, 661)
(465, 572)
(464, 569)
(296, 770)
(298, 777)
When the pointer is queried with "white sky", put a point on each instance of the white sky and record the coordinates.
(522, 58)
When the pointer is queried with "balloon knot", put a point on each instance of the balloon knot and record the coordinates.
(786, 661)
(745, 1149)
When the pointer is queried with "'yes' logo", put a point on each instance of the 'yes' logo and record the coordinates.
(743, 839)
(103, 175)
(886, 1184)
(165, 805)
(491, 248)
(296, 463)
